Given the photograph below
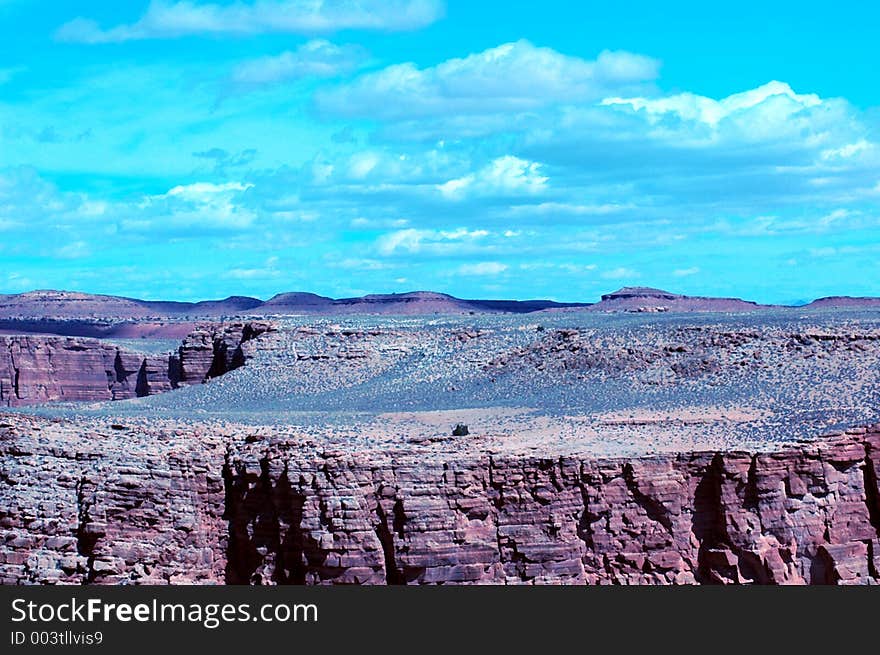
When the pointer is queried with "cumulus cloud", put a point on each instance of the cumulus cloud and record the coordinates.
(166, 20)
(562, 168)
(515, 76)
(201, 205)
(772, 115)
(504, 175)
(690, 107)
(316, 58)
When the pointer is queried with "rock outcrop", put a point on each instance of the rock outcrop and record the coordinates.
(808, 514)
(111, 506)
(36, 369)
(168, 505)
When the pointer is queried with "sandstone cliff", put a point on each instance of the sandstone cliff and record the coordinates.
(108, 506)
(808, 514)
(35, 369)
(176, 506)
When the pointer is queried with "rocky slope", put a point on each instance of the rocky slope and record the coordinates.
(36, 369)
(167, 504)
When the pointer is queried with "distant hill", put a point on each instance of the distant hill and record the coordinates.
(71, 305)
(230, 305)
(50, 304)
(47, 306)
(412, 303)
(646, 299)
(844, 302)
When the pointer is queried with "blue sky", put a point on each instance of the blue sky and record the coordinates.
(197, 149)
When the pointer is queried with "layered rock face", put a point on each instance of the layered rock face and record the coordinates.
(35, 369)
(109, 507)
(804, 515)
(214, 350)
(165, 505)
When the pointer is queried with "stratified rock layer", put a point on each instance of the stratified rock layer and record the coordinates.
(808, 514)
(167, 505)
(110, 506)
(36, 369)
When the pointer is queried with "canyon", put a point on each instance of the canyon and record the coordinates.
(561, 447)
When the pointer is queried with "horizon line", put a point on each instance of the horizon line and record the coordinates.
(800, 302)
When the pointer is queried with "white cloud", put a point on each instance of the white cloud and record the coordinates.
(165, 20)
(202, 204)
(690, 107)
(834, 217)
(251, 273)
(409, 240)
(74, 250)
(568, 209)
(412, 240)
(365, 264)
(685, 272)
(511, 77)
(621, 273)
(504, 175)
(204, 191)
(362, 163)
(29, 201)
(482, 268)
(848, 150)
(316, 58)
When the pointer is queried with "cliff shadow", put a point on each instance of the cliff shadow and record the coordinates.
(267, 543)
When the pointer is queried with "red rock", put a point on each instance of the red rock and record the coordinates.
(36, 369)
(180, 507)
